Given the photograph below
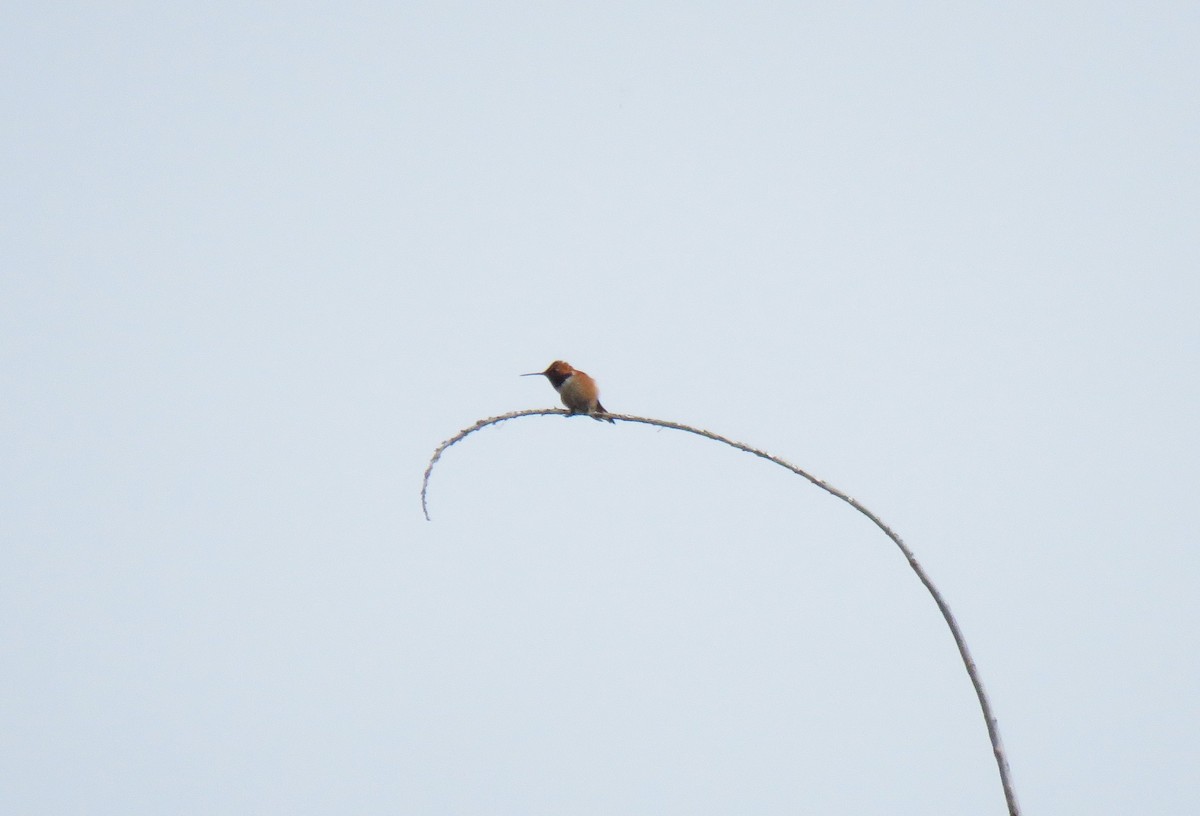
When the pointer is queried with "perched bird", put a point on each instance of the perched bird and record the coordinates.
(577, 390)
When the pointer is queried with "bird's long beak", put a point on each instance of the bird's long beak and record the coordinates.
(534, 374)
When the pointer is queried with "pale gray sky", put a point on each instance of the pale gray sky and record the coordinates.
(257, 262)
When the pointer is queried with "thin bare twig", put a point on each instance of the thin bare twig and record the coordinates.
(965, 653)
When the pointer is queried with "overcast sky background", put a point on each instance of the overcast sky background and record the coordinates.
(257, 262)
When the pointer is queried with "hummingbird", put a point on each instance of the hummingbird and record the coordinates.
(577, 390)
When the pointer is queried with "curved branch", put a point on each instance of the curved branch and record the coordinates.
(965, 653)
